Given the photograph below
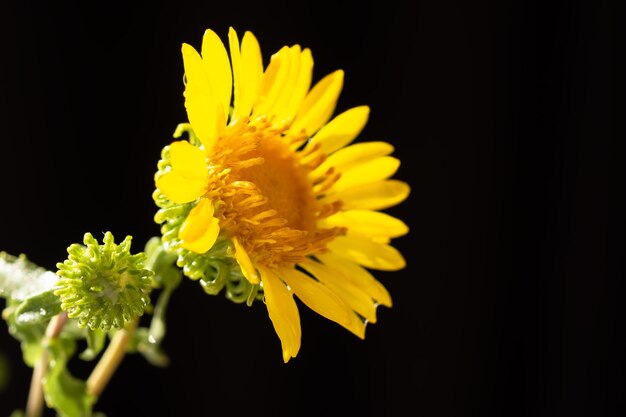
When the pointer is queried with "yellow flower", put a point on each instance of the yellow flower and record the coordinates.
(271, 184)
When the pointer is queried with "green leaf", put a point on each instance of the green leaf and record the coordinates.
(147, 341)
(30, 335)
(37, 309)
(17, 413)
(63, 392)
(95, 344)
(167, 276)
(21, 279)
(144, 343)
(28, 319)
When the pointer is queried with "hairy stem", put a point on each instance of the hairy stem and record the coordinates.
(110, 360)
(34, 405)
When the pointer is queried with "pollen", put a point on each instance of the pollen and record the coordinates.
(266, 197)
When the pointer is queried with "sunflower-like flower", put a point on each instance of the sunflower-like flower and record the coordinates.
(269, 198)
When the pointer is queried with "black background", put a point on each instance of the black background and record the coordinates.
(504, 115)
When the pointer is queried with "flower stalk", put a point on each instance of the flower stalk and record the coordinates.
(110, 360)
(35, 402)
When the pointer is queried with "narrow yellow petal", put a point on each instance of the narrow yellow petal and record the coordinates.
(217, 67)
(301, 85)
(374, 196)
(371, 171)
(283, 313)
(202, 108)
(319, 104)
(281, 106)
(355, 297)
(353, 155)
(252, 72)
(247, 64)
(238, 81)
(367, 223)
(342, 130)
(199, 231)
(247, 268)
(274, 84)
(318, 297)
(368, 253)
(358, 275)
(180, 189)
(188, 160)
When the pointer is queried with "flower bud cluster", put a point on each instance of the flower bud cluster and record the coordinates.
(103, 286)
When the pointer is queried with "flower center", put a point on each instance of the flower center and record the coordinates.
(283, 181)
(267, 198)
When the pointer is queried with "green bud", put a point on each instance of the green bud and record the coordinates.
(103, 286)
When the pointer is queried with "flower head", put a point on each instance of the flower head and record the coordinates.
(103, 286)
(269, 198)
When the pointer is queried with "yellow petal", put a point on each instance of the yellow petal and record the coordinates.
(359, 276)
(199, 231)
(365, 252)
(320, 299)
(281, 106)
(319, 104)
(247, 268)
(302, 83)
(283, 313)
(374, 196)
(180, 189)
(274, 84)
(202, 108)
(367, 223)
(355, 297)
(342, 130)
(247, 64)
(371, 171)
(353, 155)
(217, 67)
(189, 161)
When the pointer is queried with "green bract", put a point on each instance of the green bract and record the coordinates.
(103, 286)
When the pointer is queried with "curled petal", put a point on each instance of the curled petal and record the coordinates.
(199, 231)
(247, 268)
(179, 189)
(189, 161)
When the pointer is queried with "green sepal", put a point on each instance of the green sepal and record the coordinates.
(163, 263)
(95, 343)
(63, 392)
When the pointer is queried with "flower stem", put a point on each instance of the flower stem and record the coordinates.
(110, 360)
(35, 402)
